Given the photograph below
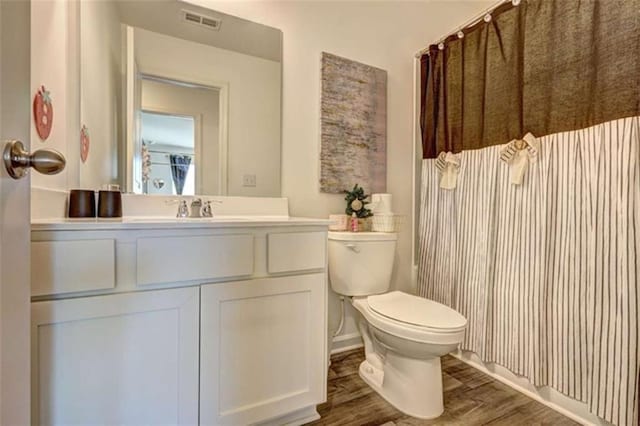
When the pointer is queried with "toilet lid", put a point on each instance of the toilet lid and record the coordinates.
(416, 310)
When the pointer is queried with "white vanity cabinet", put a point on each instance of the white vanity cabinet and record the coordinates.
(182, 324)
(262, 346)
(126, 359)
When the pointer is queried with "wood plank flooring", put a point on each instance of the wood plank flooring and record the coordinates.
(470, 398)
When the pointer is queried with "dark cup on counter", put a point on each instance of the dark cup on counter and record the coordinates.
(82, 203)
(109, 204)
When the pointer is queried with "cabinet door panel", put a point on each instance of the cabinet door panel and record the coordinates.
(262, 348)
(117, 359)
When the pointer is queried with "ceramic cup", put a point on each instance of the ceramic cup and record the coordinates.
(82, 203)
(109, 204)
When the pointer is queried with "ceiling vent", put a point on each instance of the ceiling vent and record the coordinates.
(201, 20)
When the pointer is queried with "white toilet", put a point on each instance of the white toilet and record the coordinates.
(404, 335)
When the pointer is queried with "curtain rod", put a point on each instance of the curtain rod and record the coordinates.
(477, 18)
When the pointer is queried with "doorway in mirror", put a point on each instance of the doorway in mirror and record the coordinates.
(168, 153)
(179, 128)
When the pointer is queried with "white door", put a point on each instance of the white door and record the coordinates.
(125, 359)
(15, 103)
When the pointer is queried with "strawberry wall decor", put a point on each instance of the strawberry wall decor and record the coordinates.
(84, 143)
(43, 112)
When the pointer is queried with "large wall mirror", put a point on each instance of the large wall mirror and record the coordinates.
(179, 99)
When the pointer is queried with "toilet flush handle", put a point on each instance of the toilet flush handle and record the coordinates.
(354, 248)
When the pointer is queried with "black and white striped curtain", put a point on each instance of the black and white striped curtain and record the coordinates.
(547, 271)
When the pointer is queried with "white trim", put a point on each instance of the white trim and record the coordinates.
(569, 407)
(223, 137)
(415, 173)
(74, 95)
(346, 342)
(131, 72)
(299, 417)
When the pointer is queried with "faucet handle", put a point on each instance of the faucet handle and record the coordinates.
(183, 209)
(207, 210)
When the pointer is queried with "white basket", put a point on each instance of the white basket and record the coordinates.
(386, 222)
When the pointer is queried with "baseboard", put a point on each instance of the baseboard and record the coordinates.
(346, 342)
(297, 418)
(569, 407)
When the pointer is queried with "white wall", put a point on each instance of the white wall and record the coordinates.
(253, 110)
(385, 34)
(100, 91)
(197, 102)
(54, 53)
(56, 43)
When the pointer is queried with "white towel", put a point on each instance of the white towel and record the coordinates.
(449, 165)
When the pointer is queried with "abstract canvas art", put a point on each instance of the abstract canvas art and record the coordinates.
(353, 126)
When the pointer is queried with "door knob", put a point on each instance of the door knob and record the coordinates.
(17, 160)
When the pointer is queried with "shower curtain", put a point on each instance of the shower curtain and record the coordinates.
(537, 243)
(179, 170)
(546, 272)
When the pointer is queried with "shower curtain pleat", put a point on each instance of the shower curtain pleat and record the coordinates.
(546, 272)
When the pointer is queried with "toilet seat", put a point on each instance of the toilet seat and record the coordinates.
(418, 311)
(439, 333)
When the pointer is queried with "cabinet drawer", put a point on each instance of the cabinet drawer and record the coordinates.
(296, 251)
(71, 266)
(173, 259)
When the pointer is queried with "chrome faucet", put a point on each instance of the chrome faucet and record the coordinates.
(196, 207)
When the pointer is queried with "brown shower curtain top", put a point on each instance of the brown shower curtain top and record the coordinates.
(544, 66)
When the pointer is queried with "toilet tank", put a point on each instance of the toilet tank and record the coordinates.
(360, 263)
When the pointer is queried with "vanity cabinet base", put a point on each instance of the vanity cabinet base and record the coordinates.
(209, 326)
(126, 359)
(262, 349)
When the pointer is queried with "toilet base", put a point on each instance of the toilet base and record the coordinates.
(413, 386)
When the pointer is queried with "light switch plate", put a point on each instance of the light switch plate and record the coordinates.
(248, 180)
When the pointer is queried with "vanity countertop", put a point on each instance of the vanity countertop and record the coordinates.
(150, 222)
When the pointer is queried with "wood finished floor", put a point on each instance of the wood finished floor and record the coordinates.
(470, 398)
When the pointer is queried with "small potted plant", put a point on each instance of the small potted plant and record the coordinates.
(356, 203)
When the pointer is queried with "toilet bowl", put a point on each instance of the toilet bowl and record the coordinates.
(404, 335)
